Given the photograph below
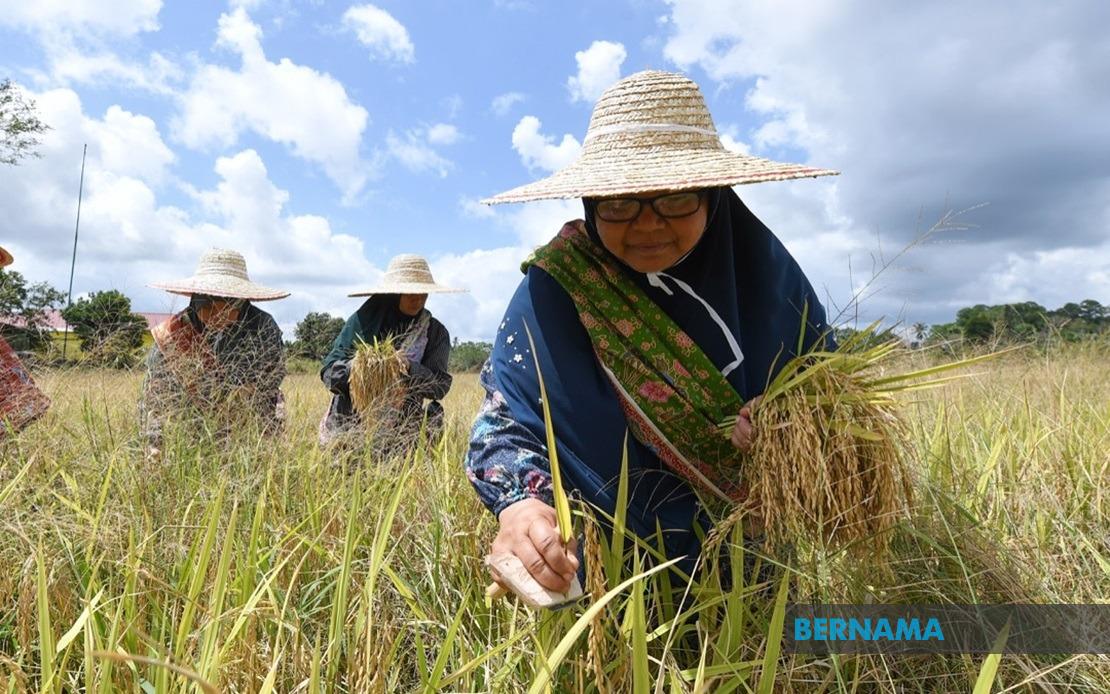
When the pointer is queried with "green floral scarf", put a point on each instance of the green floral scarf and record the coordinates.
(671, 393)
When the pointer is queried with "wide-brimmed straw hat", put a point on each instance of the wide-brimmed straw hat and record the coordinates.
(5, 257)
(407, 274)
(651, 131)
(221, 273)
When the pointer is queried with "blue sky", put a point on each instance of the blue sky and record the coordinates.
(322, 138)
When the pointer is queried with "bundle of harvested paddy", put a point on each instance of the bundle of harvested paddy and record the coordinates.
(827, 459)
(376, 371)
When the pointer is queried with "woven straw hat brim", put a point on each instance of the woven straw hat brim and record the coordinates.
(636, 172)
(224, 287)
(5, 257)
(408, 288)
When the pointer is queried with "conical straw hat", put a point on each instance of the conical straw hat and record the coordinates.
(407, 274)
(221, 273)
(5, 257)
(650, 132)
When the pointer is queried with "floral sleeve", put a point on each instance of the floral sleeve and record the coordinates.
(506, 462)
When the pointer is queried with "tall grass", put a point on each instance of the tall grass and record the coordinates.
(261, 564)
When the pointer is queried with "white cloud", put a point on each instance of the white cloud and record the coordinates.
(917, 107)
(79, 42)
(129, 237)
(131, 146)
(475, 315)
(443, 134)
(387, 38)
(84, 60)
(414, 152)
(470, 207)
(492, 275)
(537, 223)
(598, 67)
(307, 111)
(502, 103)
(539, 151)
(730, 138)
(1074, 274)
(116, 17)
(120, 144)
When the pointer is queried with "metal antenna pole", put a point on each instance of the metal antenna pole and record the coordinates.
(73, 261)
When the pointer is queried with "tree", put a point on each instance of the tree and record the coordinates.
(976, 323)
(19, 126)
(847, 334)
(109, 332)
(29, 306)
(468, 356)
(1093, 311)
(315, 335)
(943, 332)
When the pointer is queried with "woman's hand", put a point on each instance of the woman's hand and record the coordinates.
(530, 531)
(743, 432)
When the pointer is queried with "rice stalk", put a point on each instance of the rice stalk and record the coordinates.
(827, 462)
(558, 492)
(375, 383)
(596, 653)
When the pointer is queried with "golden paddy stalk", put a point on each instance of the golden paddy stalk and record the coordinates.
(376, 371)
(827, 462)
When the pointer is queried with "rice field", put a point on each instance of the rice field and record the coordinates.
(265, 565)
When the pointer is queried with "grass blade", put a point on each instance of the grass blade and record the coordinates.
(989, 669)
(543, 679)
(562, 504)
(774, 639)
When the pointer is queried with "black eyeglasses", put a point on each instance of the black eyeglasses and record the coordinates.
(671, 206)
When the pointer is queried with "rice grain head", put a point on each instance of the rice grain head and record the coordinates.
(375, 383)
(597, 652)
(826, 464)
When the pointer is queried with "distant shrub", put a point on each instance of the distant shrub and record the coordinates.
(468, 356)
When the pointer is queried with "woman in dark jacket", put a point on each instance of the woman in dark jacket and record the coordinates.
(395, 310)
(220, 361)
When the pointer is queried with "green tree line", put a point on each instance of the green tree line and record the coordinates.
(110, 334)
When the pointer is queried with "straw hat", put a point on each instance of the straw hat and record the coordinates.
(221, 273)
(651, 131)
(5, 257)
(408, 274)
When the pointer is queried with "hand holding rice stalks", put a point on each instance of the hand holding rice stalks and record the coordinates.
(376, 384)
(827, 462)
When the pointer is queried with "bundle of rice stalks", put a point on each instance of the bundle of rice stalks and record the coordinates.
(827, 463)
(375, 382)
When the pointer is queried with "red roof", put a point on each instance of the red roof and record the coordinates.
(153, 319)
(55, 322)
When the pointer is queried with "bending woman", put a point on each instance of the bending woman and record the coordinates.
(218, 362)
(395, 309)
(660, 313)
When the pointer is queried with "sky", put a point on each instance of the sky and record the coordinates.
(322, 138)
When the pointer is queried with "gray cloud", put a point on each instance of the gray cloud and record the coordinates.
(999, 103)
